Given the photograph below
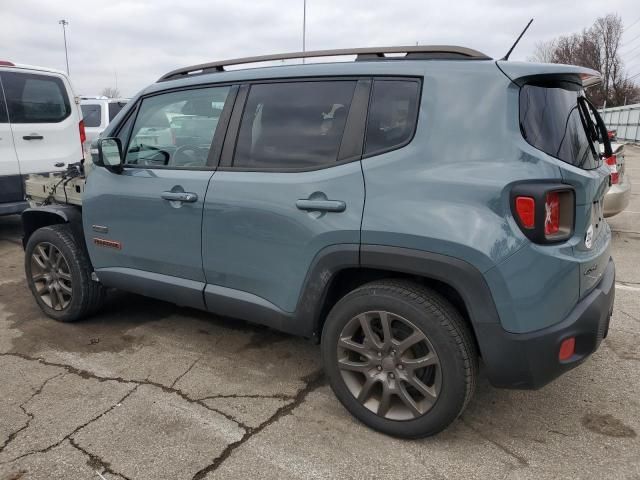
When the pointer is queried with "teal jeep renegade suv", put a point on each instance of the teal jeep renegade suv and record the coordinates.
(414, 213)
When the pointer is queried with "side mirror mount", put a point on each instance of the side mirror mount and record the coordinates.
(110, 154)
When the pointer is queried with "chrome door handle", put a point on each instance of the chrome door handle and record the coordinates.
(321, 205)
(187, 197)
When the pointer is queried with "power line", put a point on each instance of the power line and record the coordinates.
(631, 41)
(627, 28)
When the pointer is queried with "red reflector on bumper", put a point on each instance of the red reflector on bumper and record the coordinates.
(567, 349)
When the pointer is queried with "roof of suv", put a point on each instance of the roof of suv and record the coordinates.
(405, 60)
(102, 99)
(418, 52)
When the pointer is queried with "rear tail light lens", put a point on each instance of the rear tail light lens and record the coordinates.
(545, 212)
(612, 163)
(526, 210)
(83, 134)
(5, 63)
(552, 213)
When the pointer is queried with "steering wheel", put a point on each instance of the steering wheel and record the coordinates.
(150, 160)
(189, 156)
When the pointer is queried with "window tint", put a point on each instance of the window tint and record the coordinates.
(35, 98)
(91, 114)
(553, 120)
(392, 115)
(3, 110)
(293, 125)
(176, 129)
(114, 109)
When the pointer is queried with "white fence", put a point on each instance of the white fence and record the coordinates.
(625, 120)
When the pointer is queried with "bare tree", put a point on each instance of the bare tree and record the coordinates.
(597, 48)
(111, 92)
(609, 31)
(544, 52)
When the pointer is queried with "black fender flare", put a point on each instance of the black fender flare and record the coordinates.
(38, 217)
(466, 279)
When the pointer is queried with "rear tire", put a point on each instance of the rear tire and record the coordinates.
(58, 272)
(414, 369)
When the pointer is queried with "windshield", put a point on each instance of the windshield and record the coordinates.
(555, 118)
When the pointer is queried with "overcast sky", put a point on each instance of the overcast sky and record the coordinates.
(138, 41)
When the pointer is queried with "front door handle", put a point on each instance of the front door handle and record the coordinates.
(321, 205)
(187, 197)
(33, 136)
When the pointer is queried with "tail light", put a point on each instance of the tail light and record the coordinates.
(83, 134)
(552, 213)
(526, 209)
(545, 212)
(5, 63)
(612, 163)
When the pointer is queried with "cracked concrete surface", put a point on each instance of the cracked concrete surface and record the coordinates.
(148, 390)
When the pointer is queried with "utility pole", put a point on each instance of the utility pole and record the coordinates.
(64, 24)
(304, 27)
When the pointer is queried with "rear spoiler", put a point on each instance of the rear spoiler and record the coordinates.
(520, 72)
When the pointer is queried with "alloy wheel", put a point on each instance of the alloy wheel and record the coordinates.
(389, 365)
(51, 276)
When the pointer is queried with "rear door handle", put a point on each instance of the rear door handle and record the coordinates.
(321, 205)
(187, 197)
(33, 136)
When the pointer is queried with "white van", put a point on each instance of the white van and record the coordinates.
(98, 112)
(41, 128)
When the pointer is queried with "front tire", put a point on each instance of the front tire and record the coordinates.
(400, 358)
(58, 272)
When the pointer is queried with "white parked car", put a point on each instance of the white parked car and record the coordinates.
(41, 128)
(98, 113)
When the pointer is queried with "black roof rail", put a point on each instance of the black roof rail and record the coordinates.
(418, 52)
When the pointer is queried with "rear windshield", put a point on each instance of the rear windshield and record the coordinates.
(91, 114)
(554, 119)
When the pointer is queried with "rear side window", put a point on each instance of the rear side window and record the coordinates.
(293, 124)
(3, 109)
(91, 115)
(114, 109)
(392, 115)
(553, 120)
(33, 98)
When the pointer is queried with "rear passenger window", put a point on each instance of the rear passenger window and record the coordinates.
(3, 109)
(293, 125)
(91, 115)
(392, 115)
(35, 98)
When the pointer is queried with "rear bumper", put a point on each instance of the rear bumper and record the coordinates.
(617, 198)
(13, 207)
(530, 360)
